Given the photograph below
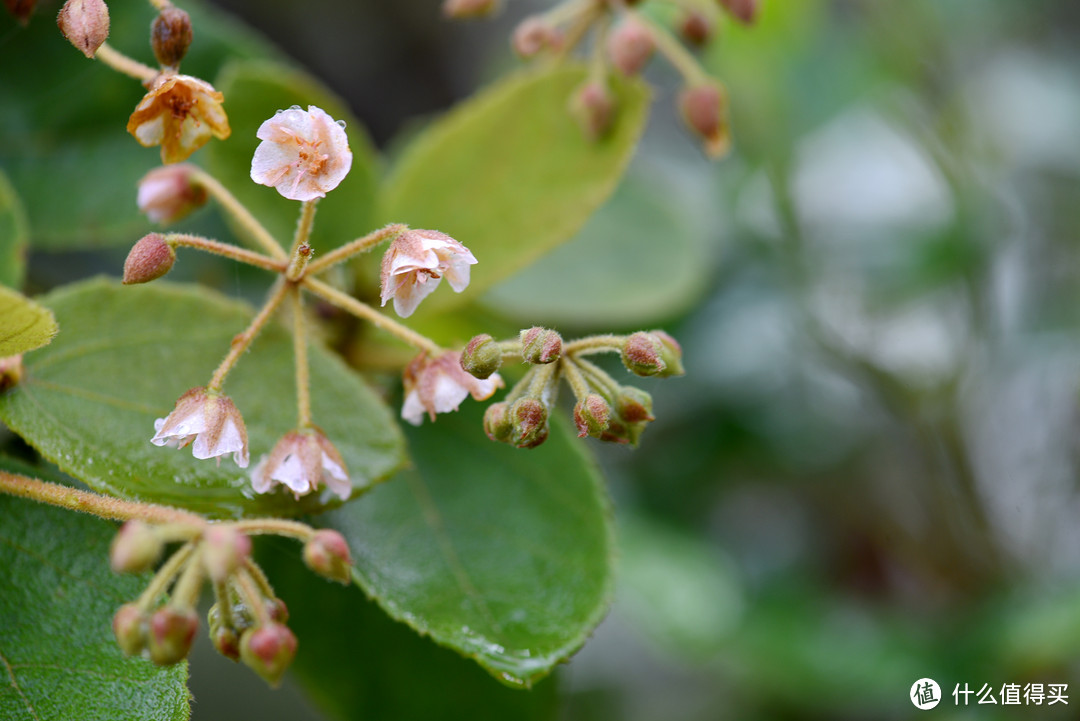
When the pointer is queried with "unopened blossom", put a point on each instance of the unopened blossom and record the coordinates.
(180, 113)
(209, 419)
(415, 263)
(167, 194)
(303, 461)
(304, 154)
(439, 385)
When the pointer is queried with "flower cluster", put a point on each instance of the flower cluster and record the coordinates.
(625, 39)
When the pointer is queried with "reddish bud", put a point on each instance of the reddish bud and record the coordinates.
(85, 23)
(223, 636)
(172, 631)
(592, 414)
(745, 11)
(697, 28)
(540, 345)
(269, 650)
(634, 405)
(670, 354)
(497, 423)
(481, 357)
(224, 551)
(630, 46)
(167, 194)
(327, 554)
(130, 628)
(534, 35)
(170, 36)
(593, 107)
(148, 260)
(21, 9)
(704, 109)
(641, 354)
(277, 609)
(11, 371)
(135, 548)
(528, 418)
(469, 8)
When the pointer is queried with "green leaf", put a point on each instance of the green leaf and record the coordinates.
(254, 92)
(13, 235)
(510, 174)
(501, 554)
(24, 325)
(357, 663)
(57, 597)
(89, 402)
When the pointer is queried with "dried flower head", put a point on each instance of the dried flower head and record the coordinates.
(304, 154)
(303, 461)
(180, 113)
(439, 385)
(211, 420)
(415, 263)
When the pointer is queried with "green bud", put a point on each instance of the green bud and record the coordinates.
(327, 554)
(481, 357)
(528, 418)
(540, 346)
(497, 423)
(670, 354)
(172, 631)
(633, 405)
(592, 414)
(130, 628)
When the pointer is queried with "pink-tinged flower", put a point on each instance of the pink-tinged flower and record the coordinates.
(211, 420)
(303, 461)
(180, 113)
(304, 154)
(167, 194)
(415, 263)
(439, 385)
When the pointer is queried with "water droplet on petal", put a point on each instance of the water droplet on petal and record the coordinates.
(341, 123)
(295, 107)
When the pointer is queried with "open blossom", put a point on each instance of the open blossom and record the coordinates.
(439, 385)
(415, 263)
(304, 154)
(211, 420)
(303, 461)
(180, 113)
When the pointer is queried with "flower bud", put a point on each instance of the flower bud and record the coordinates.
(592, 414)
(85, 23)
(533, 35)
(745, 11)
(469, 8)
(171, 632)
(634, 405)
(277, 609)
(148, 260)
(497, 423)
(481, 357)
(540, 346)
(528, 418)
(327, 554)
(224, 638)
(135, 548)
(11, 371)
(170, 36)
(21, 10)
(593, 107)
(696, 28)
(224, 551)
(630, 46)
(670, 354)
(167, 194)
(641, 354)
(130, 627)
(704, 109)
(268, 650)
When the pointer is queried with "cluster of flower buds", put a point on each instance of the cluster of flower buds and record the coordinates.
(625, 39)
(604, 409)
(247, 620)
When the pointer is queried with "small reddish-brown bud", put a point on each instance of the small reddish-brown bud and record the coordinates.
(630, 46)
(170, 36)
(540, 346)
(469, 8)
(696, 28)
(641, 354)
(135, 548)
(528, 417)
(172, 631)
(148, 260)
(327, 554)
(11, 371)
(704, 108)
(223, 636)
(481, 357)
(21, 9)
(497, 423)
(745, 11)
(85, 23)
(130, 628)
(670, 354)
(534, 35)
(278, 610)
(593, 107)
(592, 414)
(634, 405)
(268, 650)
(224, 551)
(167, 194)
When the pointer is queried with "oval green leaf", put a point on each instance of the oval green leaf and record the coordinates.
(57, 598)
(13, 235)
(501, 554)
(88, 403)
(510, 174)
(24, 325)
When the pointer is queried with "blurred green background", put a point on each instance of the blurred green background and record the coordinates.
(868, 474)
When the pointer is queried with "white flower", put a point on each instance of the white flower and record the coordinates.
(209, 419)
(303, 460)
(304, 154)
(439, 385)
(415, 263)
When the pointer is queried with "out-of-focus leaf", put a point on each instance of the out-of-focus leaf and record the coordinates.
(24, 325)
(501, 554)
(509, 173)
(127, 354)
(13, 235)
(356, 662)
(57, 598)
(255, 91)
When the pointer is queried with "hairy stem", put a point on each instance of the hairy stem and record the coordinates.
(239, 212)
(276, 527)
(165, 576)
(123, 64)
(575, 378)
(249, 591)
(185, 240)
(355, 247)
(244, 340)
(681, 58)
(300, 350)
(595, 344)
